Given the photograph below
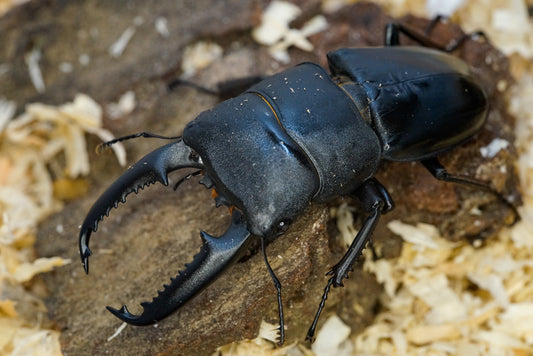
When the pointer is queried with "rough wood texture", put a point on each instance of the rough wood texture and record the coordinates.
(143, 243)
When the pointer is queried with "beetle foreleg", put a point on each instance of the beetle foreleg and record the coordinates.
(277, 284)
(214, 256)
(154, 167)
(375, 199)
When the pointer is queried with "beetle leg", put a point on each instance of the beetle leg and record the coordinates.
(277, 284)
(154, 167)
(438, 171)
(375, 199)
(214, 256)
(453, 45)
(393, 30)
(226, 89)
(392, 36)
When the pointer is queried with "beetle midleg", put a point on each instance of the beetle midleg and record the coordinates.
(438, 171)
(374, 199)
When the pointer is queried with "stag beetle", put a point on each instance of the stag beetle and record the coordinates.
(304, 136)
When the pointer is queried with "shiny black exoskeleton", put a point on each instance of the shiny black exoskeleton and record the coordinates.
(304, 135)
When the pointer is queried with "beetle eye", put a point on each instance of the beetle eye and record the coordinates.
(283, 225)
(193, 156)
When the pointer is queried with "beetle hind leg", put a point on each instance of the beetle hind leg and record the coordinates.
(375, 199)
(154, 167)
(393, 30)
(439, 172)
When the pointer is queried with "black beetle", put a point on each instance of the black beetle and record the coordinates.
(302, 136)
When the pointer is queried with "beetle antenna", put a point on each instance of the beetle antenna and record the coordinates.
(277, 284)
(107, 144)
(183, 82)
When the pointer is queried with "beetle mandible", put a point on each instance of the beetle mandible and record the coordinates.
(304, 136)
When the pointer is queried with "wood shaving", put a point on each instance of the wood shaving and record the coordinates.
(32, 59)
(161, 26)
(199, 55)
(118, 47)
(28, 144)
(274, 30)
(124, 106)
(333, 336)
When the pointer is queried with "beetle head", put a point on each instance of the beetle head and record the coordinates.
(270, 199)
(252, 163)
